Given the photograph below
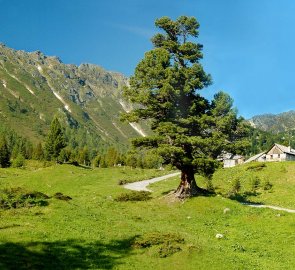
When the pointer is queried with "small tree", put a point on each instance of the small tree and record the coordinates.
(4, 153)
(64, 155)
(55, 140)
(96, 161)
(83, 156)
(38, 153)
(131, 159)
(189, 131)
(111, 157)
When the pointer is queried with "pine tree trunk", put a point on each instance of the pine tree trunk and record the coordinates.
(188, 186)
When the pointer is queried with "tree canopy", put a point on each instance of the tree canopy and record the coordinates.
(189, 131)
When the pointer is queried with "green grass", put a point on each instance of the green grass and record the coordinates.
(94, 231)
(280, 174)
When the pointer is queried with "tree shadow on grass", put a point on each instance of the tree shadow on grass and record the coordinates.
(172, 195)
(244, 197)
(76, 164)
(63, 255)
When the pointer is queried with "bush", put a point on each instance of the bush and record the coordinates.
(167, 243)
(209, 185)
(122, 182)
(255, 184)
(235, 189)
(167, 249)
(267, 185)
(156, 238)
(18, 162)
(19, 197)
(61, 196)
(134, 196)
(257, 166)
(47, 163)
(236, 186)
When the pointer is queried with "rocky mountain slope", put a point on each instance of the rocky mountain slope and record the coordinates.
(35, 87)
(274, 123)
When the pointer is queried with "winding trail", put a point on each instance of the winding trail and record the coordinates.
(270, 206)
(142, 185)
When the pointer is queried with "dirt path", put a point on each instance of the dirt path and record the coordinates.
(271, 207)
(142, 185)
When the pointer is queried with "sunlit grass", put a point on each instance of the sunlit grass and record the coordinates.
(94, 231)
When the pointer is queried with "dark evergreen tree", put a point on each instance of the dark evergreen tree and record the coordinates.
(55, 140)
(189, 131)
(4, 153)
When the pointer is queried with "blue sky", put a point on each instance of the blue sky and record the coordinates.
(248, 44)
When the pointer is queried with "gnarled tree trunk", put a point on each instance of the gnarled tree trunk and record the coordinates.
(188, 186)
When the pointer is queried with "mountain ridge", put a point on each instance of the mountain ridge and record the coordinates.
(274, 123)
(35, 87)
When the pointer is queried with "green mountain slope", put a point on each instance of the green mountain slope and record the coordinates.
(35, 87)
(274, 123)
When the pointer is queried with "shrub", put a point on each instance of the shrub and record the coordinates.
(19, 197)
(167, 249)
(234, 189)
(209, 185)
(236, 186)
(122, 182)
(18, 162)
(61, 196)
(47, 163)
(267, 185)
(134, 196)
(257, 166)
(156, 238)
(167, 243)
(255, 184)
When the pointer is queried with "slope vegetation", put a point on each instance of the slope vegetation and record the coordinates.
(35, 87)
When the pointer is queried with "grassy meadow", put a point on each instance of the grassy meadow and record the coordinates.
(93, 230)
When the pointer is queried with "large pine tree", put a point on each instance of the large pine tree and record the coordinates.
(189, 131)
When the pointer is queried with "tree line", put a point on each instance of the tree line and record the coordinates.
(15, 149)
(58, 147)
